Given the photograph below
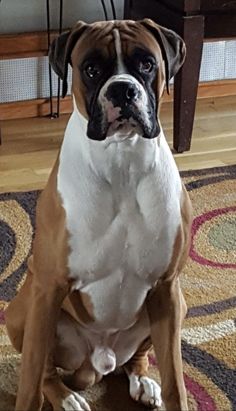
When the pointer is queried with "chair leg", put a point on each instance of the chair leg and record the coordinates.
(186, 82)
(127, 7)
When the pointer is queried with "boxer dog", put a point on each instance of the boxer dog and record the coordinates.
(112, 228)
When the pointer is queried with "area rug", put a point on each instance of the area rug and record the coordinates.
(208, 282)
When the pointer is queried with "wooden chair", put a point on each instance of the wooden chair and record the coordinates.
(194, 21)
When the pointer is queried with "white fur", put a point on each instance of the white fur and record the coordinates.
(146, 390)
(120, 63)
(122, 204)
(74, 402)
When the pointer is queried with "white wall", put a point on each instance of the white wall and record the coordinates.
(30, 15)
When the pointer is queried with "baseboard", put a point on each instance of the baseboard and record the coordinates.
(41, 107)
(211, 89)
(33, 108)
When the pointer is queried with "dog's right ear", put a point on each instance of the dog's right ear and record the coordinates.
(60, 52)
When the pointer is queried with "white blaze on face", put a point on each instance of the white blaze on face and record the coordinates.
(120, 63)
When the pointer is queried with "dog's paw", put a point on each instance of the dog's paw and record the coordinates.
(146, 390)
(74, 402)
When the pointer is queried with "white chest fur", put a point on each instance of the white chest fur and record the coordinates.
(122, 204)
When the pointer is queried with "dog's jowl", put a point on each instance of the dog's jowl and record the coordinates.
(112, 228)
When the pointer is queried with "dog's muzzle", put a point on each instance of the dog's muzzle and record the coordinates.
(122, 109)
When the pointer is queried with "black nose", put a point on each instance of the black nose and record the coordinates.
(122, 93)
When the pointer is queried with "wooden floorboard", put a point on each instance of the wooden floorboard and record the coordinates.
(29, 147)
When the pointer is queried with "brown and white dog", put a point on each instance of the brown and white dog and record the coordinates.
(112, 228)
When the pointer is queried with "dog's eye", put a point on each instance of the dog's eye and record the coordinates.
(92, 70)
(145, 66)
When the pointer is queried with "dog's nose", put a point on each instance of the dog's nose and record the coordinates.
(122, 93)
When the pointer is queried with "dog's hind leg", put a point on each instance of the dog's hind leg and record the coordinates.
(69, 353)
(141, 387)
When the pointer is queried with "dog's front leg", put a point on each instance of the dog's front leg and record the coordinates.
(39, 335)
(166, 309)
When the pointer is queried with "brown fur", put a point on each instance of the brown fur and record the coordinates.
(84, 377)
(139, 364)
(167, 309)
(39, 301)
(79, 306)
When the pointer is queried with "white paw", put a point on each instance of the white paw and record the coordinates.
(74, 402)
(146, 390)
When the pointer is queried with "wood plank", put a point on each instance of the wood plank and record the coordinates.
(18, 138)
(207, 89)
(32, 161)
(33, 108)
(218, 5)
(23, 180)
(206, 160)
(210, 108)
(183, 5)
(156, 10)
(215, 23)
(17, 130)
(206, 128)
(219, 144)
(24, 44)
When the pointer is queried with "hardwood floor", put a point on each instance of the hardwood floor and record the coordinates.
(29, 147)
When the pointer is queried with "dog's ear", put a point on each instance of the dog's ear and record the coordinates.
(172, 48)
(60, 52)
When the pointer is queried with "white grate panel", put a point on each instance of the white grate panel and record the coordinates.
(26, 79)
(212, 67)
(230, 59)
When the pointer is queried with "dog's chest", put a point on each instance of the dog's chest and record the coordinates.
(121, 234)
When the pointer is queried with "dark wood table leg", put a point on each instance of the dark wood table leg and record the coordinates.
(127, 10)
(186, 82)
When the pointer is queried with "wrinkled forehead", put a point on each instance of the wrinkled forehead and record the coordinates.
(109, 37)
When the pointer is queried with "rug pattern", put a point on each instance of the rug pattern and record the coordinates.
(208, 282)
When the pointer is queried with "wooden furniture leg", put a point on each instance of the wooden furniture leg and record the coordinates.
(127, 9)
(186, 82)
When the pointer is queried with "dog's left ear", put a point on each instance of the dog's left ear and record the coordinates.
(60, 52)
(172, 48)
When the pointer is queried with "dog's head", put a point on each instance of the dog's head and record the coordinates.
(119, 72)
